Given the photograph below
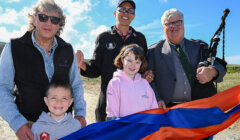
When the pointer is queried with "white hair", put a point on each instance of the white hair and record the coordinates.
(47, 6)
(169, 13)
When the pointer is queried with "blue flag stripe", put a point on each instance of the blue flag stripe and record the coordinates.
(140, 125)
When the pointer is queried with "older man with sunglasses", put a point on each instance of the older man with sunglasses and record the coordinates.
(30, 63)
(107, 46)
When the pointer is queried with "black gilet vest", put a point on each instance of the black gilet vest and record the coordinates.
(30, 77)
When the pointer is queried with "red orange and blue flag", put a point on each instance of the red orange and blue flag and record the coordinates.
(191, 120)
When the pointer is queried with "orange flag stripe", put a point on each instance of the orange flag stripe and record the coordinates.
(224, 100)
(171, 133)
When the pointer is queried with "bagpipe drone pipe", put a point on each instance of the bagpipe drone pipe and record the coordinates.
(208, 55)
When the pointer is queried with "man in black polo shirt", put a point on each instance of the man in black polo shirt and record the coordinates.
(107, 46)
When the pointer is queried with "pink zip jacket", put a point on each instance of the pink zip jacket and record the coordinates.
(126, 96)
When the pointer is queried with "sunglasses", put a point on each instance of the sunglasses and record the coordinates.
(44, 18)
(124, 10)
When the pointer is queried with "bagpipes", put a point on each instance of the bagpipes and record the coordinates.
(214, 43)
(209, 58)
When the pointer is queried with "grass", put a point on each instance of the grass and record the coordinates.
(233, 68)
(85, 79)
(231, 79)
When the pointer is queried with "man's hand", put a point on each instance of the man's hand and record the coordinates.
(206, 74)
(148, 75)
(25, 133)
(80, 60)
(82, 120)
(161, 104)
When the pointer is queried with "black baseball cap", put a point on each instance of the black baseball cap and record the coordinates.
(129, 1)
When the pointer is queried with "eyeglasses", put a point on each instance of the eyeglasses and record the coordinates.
(176, 23)
(44, 18)
(124, 10)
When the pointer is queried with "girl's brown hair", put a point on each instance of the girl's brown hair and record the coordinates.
(139, 55)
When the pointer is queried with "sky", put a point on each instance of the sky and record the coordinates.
(85, 19)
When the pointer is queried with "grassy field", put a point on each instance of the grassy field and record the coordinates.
(231, 79)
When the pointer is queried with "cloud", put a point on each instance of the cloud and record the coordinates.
(152, 31)
(192, 25)
(87, 41)
(99, 30)
(12, 17)
(15, 19)
(90, 22)
(163, 1)
(113, 3)
(5, 35)
(153, 25)
(233, 60)
(76, 11)
(9, 1)
(69, 33)
(156, 24)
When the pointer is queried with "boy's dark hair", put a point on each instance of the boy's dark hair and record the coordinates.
(57, 84)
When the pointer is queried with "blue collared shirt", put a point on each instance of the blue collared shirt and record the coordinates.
(8, 108)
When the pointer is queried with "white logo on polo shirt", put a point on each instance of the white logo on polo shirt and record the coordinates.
(111, 45)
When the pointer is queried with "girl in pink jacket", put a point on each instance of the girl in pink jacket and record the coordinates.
(128, 92)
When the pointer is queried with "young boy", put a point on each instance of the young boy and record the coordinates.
(56, 123)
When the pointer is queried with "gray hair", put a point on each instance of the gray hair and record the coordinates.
(169, 13)
(46, 6)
